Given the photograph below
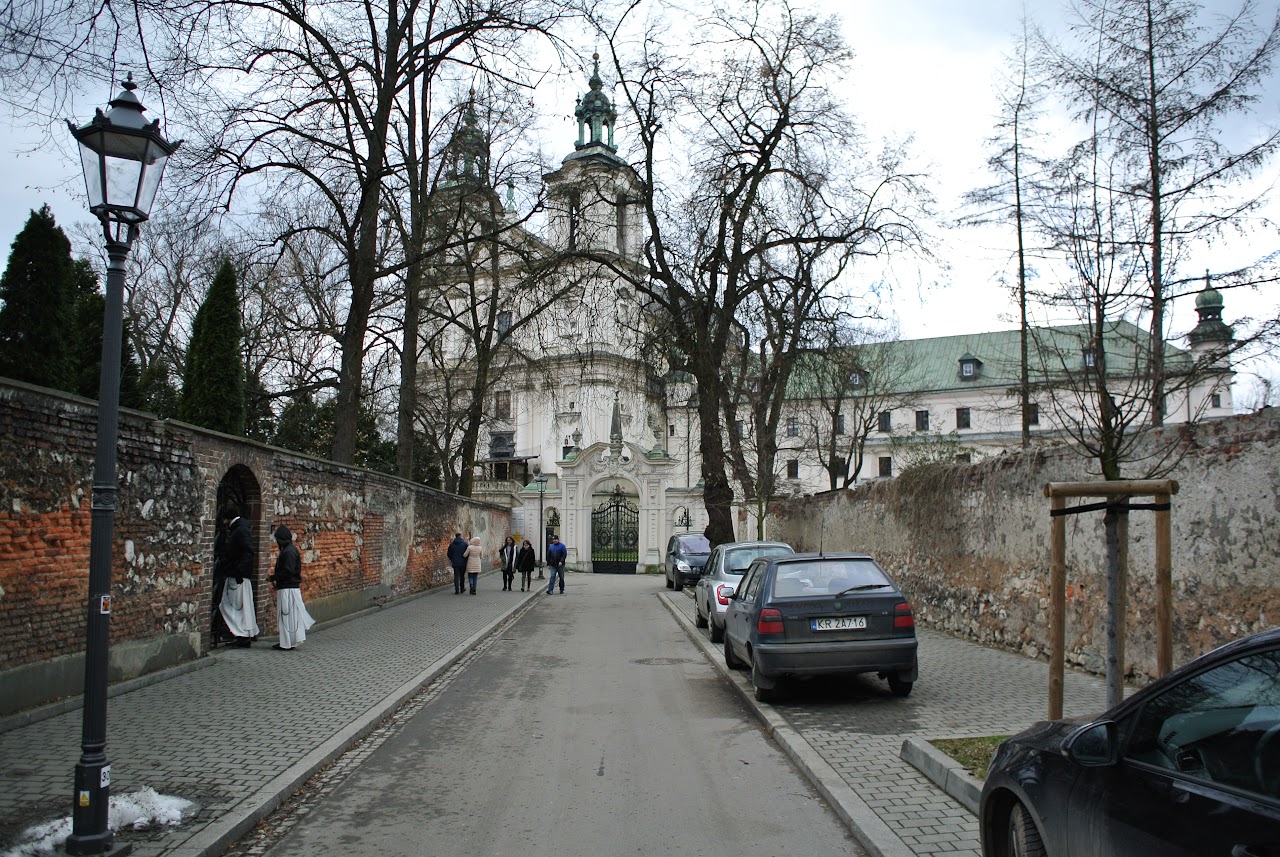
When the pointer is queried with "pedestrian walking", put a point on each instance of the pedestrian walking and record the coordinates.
(235, 565)
(556, 555)
(507, 559)
(292, 617)
(525, 561)
(458, 560)
(475, 562)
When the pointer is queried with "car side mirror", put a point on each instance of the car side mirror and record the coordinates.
(1092, 745)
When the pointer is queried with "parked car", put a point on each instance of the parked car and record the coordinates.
(721, 576)
(1189, 766)
(686, 555)
(805, 615)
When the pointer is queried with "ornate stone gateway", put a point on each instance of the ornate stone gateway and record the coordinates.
(615, 535)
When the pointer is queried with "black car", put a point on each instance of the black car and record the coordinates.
(1186, 767)
(804, 615)
(686, 555)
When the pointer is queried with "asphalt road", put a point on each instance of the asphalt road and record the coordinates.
(590, 727)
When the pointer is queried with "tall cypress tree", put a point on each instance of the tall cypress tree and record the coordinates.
(213, 389)
(90, 308)
(38, 315)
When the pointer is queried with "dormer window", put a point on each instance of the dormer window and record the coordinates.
(1090, 360)
(970, 368)
(856, 378)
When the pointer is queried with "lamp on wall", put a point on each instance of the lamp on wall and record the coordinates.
(123, 157)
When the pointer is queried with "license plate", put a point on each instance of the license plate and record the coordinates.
(840, 623)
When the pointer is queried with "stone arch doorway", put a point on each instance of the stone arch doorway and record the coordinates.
(240, 488)
(615, 533)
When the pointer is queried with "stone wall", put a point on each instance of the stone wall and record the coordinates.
(970, 544)
(366, 538)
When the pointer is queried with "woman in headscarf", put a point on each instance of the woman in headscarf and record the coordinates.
(292, 617)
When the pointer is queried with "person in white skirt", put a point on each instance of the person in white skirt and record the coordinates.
(233, 593)
(292, 617)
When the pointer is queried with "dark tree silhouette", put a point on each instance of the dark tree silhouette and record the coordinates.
(213, 388)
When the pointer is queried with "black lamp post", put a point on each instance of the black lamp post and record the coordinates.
(542, 490)
(123, 157)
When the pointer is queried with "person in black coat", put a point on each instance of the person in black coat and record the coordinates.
(525, 560)
(458, 559)
(292, 619)
(234, 558)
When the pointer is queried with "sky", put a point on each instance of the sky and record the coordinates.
(925, 68)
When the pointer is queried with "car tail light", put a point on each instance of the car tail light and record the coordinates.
(721, 597)
(903, 618)
(770, 621)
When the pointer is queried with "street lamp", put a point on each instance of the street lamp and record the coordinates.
(123, 157)
(542, 490)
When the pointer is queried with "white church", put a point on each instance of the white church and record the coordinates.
(585, 438)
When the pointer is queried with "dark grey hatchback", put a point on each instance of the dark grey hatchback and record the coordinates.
(808, 615)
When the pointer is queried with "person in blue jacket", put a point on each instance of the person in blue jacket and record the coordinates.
(458, 559)
(556, 555)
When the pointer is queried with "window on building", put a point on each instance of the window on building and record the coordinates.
(671, 430)
(793, 469)
(839, 424)
(886, 421)
(856, 378)
(886, 465)
(1089, 359)
(1215, 400)
(962, 418)
(504, 321)
(964, 457)
(740, 428)
(1033, 414)
(970, 367)
(502, 405)
(621, 210)
(922, 420)
(793, 427)
(501, 471)
(574, 216)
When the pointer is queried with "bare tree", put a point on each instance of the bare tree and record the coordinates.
(1156, 84)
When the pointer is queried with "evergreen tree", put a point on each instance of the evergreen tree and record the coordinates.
(302, 426)
(159, 393)
(37, 313)
(90, 309)
(213, 386)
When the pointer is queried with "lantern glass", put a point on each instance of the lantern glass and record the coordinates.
(122, 170)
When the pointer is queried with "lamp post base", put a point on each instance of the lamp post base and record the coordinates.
(117, 849)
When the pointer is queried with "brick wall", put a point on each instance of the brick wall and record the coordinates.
(366, 538)
(970, 544)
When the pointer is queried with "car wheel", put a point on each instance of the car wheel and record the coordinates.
(679, 584)
(669, 583)
(763, 694)
(714, 631)
(730, 659)
(1024, 838)
(899, 686)
(698, 618)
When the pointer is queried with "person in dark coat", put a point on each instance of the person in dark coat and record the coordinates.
(507, 559)
(233, 569)
(292, 617)
(524, 564)
(458, 559)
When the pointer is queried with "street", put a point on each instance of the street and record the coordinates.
(590, 726)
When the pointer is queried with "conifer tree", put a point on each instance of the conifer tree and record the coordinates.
(90, 308)
(36, 341)
(213, 388)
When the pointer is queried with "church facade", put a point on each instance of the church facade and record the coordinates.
(585, 437)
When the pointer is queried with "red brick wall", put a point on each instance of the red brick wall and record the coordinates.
(365, 537)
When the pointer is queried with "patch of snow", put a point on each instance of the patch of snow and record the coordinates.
(133, 811)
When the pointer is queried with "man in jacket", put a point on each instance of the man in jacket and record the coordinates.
(458, 559)
(557, 553)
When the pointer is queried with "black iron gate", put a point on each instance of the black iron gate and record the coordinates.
(615, 535)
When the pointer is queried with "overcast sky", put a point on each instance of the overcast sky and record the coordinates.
(923, 67)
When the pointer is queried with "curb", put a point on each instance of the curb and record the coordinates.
(869, 829)
(945, 772)
(221, 833)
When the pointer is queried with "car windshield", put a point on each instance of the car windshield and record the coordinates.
(694, 544)
(737, 560)
(827, 577)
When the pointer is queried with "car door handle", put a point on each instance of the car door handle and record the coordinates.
(1242, 850)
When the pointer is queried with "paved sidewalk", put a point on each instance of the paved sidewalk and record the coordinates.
(848, 741)
(242, 734)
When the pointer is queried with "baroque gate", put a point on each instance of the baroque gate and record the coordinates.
(615, 535)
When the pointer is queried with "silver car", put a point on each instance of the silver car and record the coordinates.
(721, 576)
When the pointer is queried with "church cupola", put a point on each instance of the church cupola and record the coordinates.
(466, 158)
(595, 113)
(1210, 330)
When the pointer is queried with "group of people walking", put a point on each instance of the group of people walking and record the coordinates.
(234, 618)
(466, 557)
